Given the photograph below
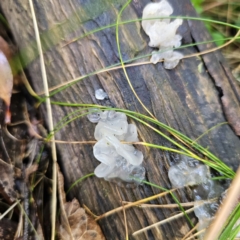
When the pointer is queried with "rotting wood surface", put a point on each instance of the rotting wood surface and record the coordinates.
(186, 98)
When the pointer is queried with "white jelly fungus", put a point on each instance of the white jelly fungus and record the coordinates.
(100, 94)
(188, 172)
(191, 172)
(94, 117)
(118, 160)
(162, 33)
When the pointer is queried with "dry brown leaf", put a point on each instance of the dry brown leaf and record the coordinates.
(7, 181)
(75, 223)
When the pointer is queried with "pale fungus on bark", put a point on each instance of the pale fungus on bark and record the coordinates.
(206, 192)
(162, 33)
(100, 94)
(118, 160)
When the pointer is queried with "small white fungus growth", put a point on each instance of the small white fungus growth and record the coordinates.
(171, 58)
(100, 94)
(128, 152)
(131, 134)
(94, 116)
(188, 172)
(116, 124)
(162, 33)
(201, 211)
(205, 211)
(118, 160)
(155, 10)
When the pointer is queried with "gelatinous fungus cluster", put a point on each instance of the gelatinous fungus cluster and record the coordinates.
(190, 172)
(162, 33)
(118, 160)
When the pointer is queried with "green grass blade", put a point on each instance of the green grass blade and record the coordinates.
(79, 180)
(229, 231)
(212, 160)
(109, 68)
(173, 196)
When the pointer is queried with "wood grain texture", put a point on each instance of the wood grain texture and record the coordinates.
(185, 98)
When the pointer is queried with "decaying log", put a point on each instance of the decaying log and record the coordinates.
(195, 96)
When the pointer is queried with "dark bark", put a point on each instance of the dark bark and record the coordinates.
(192, 98)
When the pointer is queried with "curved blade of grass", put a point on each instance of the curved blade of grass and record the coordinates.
(215, 162)
(64, 121)
(207, 162)
(173, 196)
(164, 148)
(79, 180)
(136, 20)
(121, 59)
(229, 231)
(210, 129)
(227, 171)
(67, 119)
(217, 165)
(140, 19)
(177, 133)
(67, 84)
(112, 25)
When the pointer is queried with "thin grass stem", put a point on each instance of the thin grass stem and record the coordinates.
(9, 209)
(50, 122)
